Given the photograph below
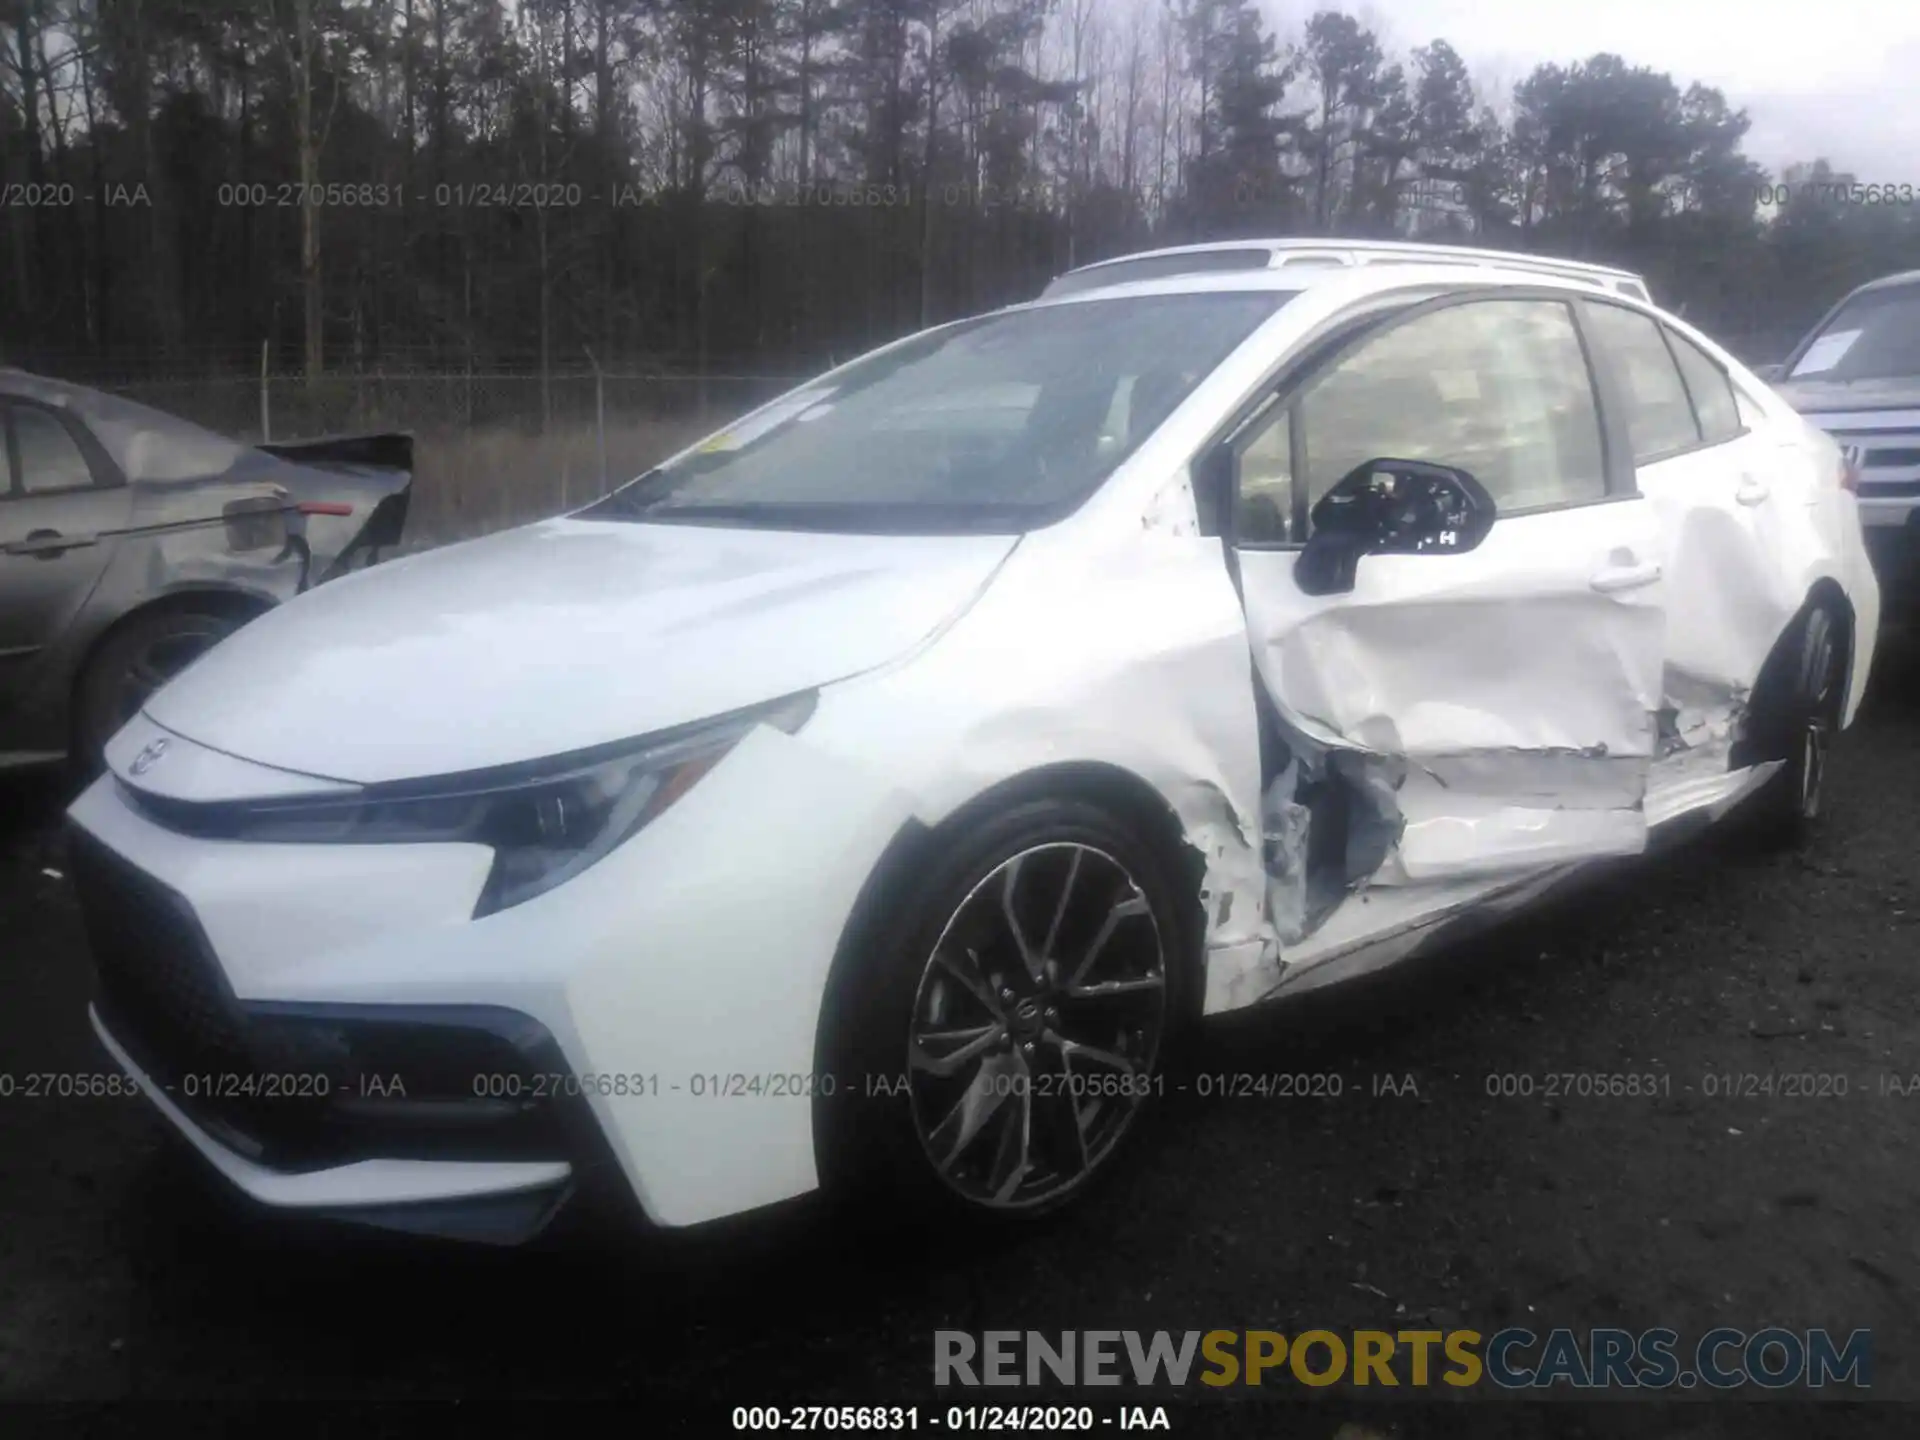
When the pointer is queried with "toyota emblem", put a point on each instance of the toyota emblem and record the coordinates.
(149, 753)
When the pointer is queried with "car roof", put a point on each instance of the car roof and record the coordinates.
(27, 385)
(1295, 245)
(148, 445)
(1289, 253)
(83, 399)
(1357, 281)
(1887, 282)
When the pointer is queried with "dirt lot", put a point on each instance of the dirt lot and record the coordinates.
(1445, 1205)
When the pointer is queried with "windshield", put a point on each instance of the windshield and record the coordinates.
(993, 425)
(1873, 336)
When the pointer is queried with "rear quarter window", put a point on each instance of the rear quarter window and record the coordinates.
(50, 459)
(1710, 388)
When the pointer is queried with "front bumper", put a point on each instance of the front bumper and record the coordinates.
(662, 1006)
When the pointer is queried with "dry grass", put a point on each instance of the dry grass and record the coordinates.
(469, 483)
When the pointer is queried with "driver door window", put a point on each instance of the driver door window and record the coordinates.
(1266, 484)
(1499, 388)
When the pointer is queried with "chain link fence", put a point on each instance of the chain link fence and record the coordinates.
(490, 450)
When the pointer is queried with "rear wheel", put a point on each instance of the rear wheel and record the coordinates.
(1002, 1041)
(136, 660)
(1796, 726)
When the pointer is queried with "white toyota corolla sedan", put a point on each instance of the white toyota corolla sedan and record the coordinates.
(873, 794)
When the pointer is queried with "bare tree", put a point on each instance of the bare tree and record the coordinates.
(302, 48)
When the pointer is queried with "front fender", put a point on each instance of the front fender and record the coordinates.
(1130, 655)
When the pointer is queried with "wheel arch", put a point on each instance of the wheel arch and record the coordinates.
(1825, 591)
(1126, 794)
(1122, 792)
(230, 600)
(1099, 782)
(1776, 671)
(1829, 591)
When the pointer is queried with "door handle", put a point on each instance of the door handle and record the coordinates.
(48, 544)
(1625, 577)
(1752, 490)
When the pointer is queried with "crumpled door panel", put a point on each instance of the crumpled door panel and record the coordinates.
(1496, 706)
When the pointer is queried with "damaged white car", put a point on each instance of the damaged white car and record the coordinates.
(871, 794)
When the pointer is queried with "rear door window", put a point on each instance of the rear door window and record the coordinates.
(1659, 414)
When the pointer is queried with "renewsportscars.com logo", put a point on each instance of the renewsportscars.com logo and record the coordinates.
(1511, 1359)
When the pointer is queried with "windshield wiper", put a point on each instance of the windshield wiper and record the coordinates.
(842, 517)
(629, 501)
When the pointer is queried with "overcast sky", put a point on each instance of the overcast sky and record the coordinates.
(1839, 78)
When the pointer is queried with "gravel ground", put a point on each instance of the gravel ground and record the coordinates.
(120, 1277)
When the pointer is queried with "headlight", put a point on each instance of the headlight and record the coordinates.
(545, 822)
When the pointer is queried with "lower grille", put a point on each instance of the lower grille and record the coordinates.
(163, 997)
(158, 980)
(300, 1086)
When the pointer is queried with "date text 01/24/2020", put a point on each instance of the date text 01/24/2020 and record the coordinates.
(198, 1085)
(1317, 1085)
(1062, 1418)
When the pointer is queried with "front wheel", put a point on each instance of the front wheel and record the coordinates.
(1002, 1041)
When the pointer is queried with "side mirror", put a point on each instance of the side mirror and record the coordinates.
(1391, 507)
(1769, 373)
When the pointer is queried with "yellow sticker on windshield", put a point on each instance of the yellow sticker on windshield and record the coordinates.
(764, 421)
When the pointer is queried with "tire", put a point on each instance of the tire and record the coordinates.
(978, 969)
(1796, 725)
(133, 662)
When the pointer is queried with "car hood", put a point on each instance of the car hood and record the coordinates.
(1815, 397)
(559, 636)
